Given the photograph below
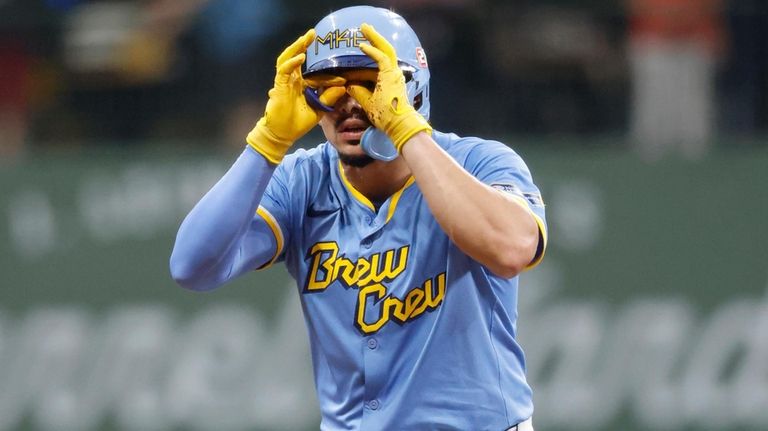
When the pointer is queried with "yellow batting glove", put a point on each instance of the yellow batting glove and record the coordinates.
(287, 116)
(388, 106)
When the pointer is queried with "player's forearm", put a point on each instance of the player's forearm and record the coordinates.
(202, 252)
(486, 224)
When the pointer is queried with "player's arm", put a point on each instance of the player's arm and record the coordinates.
(221, 237)
(491, 227)
(494, 228)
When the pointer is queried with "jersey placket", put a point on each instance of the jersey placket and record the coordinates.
(375, 362)
(372, 225)
(369, 225)
(375, 369)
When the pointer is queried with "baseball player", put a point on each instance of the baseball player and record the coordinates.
(405, 242)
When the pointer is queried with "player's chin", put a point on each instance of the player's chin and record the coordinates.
(355, 160)
(352, 154)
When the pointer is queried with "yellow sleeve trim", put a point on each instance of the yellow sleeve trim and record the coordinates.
(276, 231)
(542, 231)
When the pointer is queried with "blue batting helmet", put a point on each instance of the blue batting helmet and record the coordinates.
(338, 37)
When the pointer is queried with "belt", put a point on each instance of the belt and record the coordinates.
(526, 425)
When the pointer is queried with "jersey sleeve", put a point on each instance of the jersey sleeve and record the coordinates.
(274, 210)
(502, 168)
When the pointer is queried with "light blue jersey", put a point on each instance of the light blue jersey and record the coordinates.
(407, 332)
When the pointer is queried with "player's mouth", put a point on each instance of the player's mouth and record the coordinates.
(351, 129)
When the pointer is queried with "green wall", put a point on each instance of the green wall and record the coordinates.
(649, 312)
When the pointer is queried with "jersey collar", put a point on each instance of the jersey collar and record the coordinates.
(392, 200)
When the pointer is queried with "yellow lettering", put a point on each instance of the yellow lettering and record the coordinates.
(346, 268)
(334, 39)
(357, 37)
(398, 308)
(341, 36)
(327, 40)
(402, 260)
(320, 258)
(327, 266)
(374, 306)
(376, 292)
(415, 303)
(377, 273)
(373, 272)
(428, 296)
(362, 267)
(434, 299)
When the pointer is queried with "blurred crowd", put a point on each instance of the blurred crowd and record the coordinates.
(660, 76)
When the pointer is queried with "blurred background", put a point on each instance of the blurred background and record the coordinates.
(643, 121)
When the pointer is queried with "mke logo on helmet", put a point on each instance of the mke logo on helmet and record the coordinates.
(349, 38)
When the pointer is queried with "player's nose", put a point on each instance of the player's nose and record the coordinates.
(347, 104)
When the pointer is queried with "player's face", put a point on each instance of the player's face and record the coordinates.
(344, 126)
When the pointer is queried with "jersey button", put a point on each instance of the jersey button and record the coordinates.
(368, 219)
(366, 243)
(372, 343)
(373, 404)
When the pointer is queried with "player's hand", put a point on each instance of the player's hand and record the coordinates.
(287, 116)
(387, 106)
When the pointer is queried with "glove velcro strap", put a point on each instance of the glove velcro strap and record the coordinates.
(407, 126)
(267, 144)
